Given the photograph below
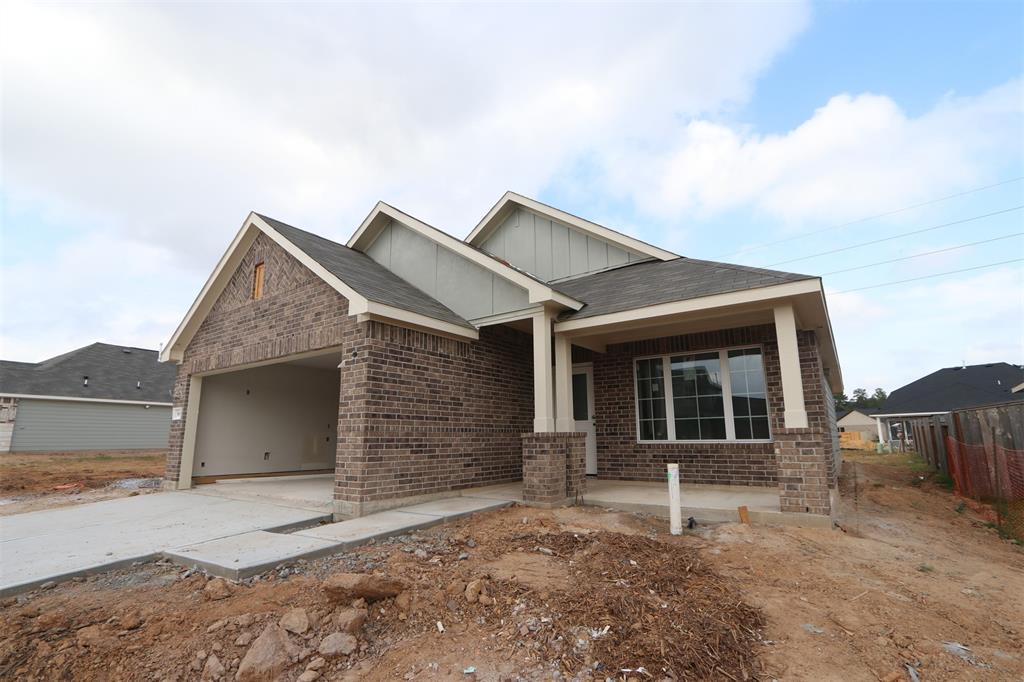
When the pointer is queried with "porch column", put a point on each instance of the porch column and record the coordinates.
(563, 385)
(543, 407)
(789, 367)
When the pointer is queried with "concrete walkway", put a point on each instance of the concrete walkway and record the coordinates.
(89, 538)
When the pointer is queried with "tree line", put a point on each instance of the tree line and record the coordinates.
(860, 399)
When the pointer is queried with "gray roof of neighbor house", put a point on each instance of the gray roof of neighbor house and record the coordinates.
(652, 282)
(365, 275)
(954, 388)
(115, 373)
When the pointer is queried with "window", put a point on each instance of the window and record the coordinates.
(713, 395)
(257, 282)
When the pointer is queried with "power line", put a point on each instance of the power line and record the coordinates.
(926, 253)
(938, 274)
(897, 236)
(756, 247)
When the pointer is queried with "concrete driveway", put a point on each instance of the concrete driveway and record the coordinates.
(61, 543)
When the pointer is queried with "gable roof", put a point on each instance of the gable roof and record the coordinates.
(652, 282)
(116, 373)
(953, 388)
(365, 275)
(539, 290)
(866, 411)
(370, 288)
(511, 199)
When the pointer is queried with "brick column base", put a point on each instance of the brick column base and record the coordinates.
(803, 472)
(554, 468)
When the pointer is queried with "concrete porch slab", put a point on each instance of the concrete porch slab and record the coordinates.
(240, 556)
(314, 492)
(510, 492)
(372, 527)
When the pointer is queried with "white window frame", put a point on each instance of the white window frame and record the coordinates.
(670, 410)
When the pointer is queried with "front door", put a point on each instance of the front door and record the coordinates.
(583, 411)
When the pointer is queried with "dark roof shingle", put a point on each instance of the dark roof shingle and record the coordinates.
(955, 388)
(652, 282)
(366, 276)
(115, 373)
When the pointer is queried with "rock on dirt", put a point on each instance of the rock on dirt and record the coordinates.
(345, 587)
(350, 620)
(338, 644)
(218, 588)
(213, 670)
(90, 636)
(295, 620)
(268, 656)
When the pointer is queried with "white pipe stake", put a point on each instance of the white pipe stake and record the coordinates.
(675, 511)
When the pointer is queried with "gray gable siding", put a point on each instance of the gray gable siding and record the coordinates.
(469, 289)
(550, 250)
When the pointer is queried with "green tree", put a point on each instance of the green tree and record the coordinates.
(842, 402)
(860, 397)
(878, 397)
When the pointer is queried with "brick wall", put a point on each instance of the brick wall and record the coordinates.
(299, 312)
(421, 415)
(553, 467)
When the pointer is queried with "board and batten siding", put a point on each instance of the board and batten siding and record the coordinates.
(469, 289)
(550, 250)
(58, 425)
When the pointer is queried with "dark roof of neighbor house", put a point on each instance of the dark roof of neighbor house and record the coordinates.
(365, 275)
(647, 283)
(115, 373)
(954, 388)
(866, 411)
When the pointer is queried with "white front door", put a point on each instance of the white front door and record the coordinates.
(583, 411)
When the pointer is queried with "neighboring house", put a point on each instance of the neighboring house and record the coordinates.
(931, 399)
(541, 348)
(858, 420)
(99, 397)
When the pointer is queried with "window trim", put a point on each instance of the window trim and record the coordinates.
(670, 411)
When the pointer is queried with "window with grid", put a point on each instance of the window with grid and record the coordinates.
(709, 396)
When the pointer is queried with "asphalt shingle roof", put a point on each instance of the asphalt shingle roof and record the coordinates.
(368, 277)
(954, 388)
(652, 282)
(115, 373)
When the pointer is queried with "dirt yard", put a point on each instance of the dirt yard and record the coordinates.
(33, 481)
(575, 593)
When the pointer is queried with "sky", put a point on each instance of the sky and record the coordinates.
(134, 140)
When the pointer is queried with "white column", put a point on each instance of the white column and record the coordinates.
(881, 436)
(563, 385)
(543, 402)
(789, 367)
(188, 445)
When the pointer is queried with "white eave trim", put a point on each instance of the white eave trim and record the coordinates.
(908, 414)
(489, 222)
(692, 305)
(539, 292)
(387, 313)
(83, 400)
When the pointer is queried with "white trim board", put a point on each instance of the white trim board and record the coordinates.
(539, 292)
(27, 396)
(500, 210)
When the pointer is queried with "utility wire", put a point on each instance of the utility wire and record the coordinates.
(896, 236)
(937, 274)
(756, 247)
(926, 253)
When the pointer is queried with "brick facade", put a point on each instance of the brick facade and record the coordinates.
(621, 456)
(554, 468)
(420, 415)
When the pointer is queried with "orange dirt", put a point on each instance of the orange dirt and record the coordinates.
(32, 481)
(909, 573)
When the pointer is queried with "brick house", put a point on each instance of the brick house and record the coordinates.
(543, 348)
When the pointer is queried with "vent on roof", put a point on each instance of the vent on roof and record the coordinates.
(126, 350)
(138, 384)
(85, 381)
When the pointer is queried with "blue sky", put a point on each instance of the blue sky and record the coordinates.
(136, 139)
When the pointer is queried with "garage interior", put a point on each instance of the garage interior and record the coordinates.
(269, 420)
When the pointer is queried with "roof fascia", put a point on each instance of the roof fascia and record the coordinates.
(500, 210)
(381, 213)
(391, 314)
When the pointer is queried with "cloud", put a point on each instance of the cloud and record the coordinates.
(855, 155)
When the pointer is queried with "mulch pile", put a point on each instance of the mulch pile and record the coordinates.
(665, 611)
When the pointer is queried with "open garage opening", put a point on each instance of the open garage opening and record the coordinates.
(272, 420)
